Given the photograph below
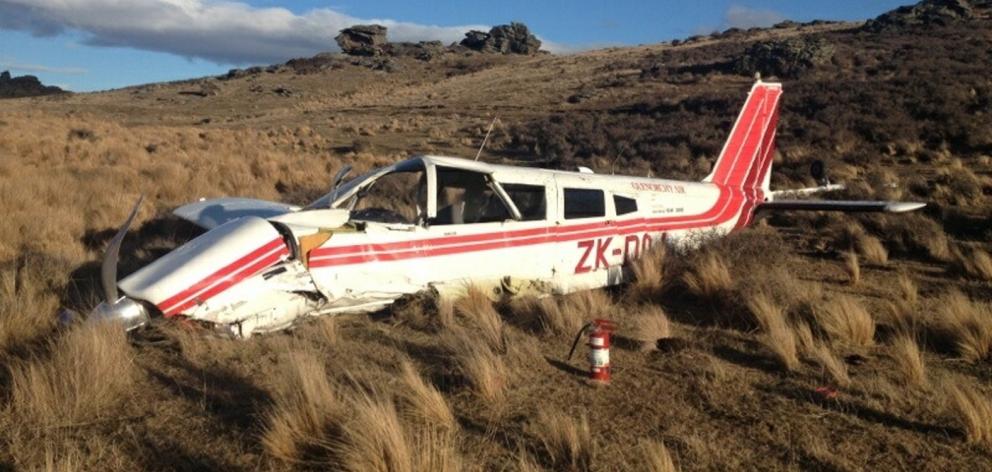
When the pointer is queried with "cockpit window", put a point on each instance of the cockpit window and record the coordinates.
(466, 197)
(397, 197)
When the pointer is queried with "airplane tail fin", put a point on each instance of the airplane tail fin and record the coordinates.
(746, 158)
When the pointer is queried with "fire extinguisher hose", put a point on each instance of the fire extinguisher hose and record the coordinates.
(577, 337)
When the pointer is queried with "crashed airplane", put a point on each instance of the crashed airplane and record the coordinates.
(434, 222)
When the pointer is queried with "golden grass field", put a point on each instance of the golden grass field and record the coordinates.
(810, 341)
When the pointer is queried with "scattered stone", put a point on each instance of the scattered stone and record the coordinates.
(204, 89)
(785, 59)
(362, 40)
(514, 38)
(282, 91)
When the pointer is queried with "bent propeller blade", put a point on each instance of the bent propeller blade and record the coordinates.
(108, 271)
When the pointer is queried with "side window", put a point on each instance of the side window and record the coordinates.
(466, 197)
(624, 205)
(529, 199)
(584, 203)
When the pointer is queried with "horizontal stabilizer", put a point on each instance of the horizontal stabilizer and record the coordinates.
(842, 205)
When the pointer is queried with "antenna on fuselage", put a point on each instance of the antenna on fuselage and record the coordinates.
(486, 139)
(613, 165)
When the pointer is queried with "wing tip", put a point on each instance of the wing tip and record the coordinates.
(903, 207)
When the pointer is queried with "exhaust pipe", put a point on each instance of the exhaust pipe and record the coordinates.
(129, 313)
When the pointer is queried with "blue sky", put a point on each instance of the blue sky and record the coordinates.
(86, 45)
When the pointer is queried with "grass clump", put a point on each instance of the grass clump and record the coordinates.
(973, 411)
(909, 360)
(777, 335)
(966, 326)
(649, 325)
(566, 442)
(88, 374)
(709, 277)
(844, 319)
(304, 405)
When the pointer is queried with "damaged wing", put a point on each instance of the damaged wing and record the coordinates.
(209, 214)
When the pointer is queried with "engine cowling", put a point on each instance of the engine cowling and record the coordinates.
(207, 266)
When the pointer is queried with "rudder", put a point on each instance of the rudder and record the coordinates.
(746, 157)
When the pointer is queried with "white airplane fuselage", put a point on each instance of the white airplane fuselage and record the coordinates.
(442, 223)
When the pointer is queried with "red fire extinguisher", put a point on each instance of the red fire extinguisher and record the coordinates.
(599, 332)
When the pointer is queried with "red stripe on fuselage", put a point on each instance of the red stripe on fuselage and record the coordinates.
(727, 206)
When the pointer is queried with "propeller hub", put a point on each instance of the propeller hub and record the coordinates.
(130, 313)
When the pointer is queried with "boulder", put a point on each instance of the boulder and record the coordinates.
(785, 59)
(362, 40)
(24, 86)
(514, 38)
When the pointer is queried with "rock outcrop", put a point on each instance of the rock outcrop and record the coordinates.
(362, 40)
(514, 38)
(784, 59)
(24, 86)
(930, 13)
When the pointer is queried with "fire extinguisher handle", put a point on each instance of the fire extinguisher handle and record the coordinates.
(577, 337)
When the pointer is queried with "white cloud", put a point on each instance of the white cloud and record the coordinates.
(40, 68)
(738, 16)
(226, 32)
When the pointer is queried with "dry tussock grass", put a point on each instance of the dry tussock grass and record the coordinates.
(966, 325)
(853, 238)
(304, 405)
(566, 442)
(657, 457)
(973, 411)
(649, 275)
(909, 360)
(845, 320)
(649, 324)
(477, 307)
(422, 402)
(25, 312)
(852, 267)
(834, 368)
(777, 335)
(482, 368)
(372, 437)
(709, 277)
(974, 262)
(584, 306)
(89, 373)
(908, 291)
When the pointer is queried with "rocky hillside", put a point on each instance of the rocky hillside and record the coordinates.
(24, 86)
